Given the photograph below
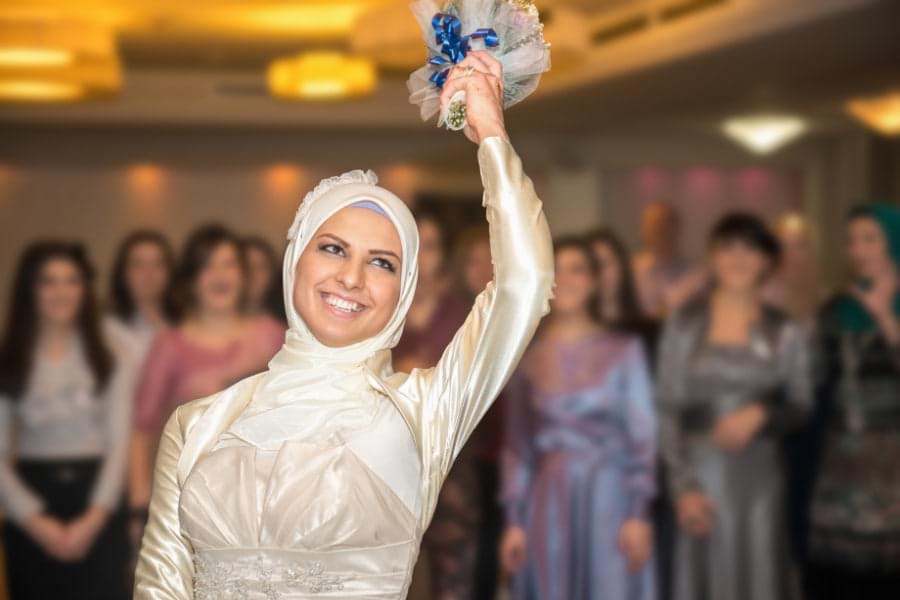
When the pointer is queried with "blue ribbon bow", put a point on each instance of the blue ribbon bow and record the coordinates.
(454, 46)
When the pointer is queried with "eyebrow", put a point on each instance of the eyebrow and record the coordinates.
(374, 251)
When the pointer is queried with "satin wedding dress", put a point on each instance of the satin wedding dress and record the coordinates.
(319, 477)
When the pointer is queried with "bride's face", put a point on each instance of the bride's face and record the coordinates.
(347, 282)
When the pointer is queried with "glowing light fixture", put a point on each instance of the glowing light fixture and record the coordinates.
(321, 76)
(881, 113)
(24, 56)
(56, 60)
(36, 90)
(764, 133)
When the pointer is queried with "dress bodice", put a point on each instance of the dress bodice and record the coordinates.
(305, 519)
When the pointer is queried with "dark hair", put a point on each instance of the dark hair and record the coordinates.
(273, 302)
(629, 305)
(747, 229)
(462, 247)
(20, 337)
(121, 302)
(581, 244)
(428, 214)
(195, 255)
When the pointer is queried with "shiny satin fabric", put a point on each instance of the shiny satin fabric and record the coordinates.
(311, 470)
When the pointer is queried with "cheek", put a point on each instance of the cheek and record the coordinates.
(385, 290)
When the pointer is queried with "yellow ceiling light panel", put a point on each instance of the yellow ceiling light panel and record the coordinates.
(880, 113)
(321, 76)
(56, 59)
(39, 90)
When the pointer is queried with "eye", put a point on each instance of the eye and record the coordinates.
(332, 249)
(384, 264)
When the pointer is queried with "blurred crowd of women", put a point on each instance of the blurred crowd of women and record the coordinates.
(726, 430)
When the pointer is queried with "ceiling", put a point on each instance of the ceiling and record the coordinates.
(637, 64)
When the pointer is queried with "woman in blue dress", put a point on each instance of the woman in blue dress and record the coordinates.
(578, 462)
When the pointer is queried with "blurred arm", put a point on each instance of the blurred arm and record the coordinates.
(107, 490)
(516, 458)
(640, 421)
(670, 382)
(16, 499)
(154, 390)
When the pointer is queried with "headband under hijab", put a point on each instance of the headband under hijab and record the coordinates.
(306, 374)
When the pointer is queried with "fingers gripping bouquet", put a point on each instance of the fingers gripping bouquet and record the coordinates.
(510, 30)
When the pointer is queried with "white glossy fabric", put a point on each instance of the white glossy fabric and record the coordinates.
(318, 477)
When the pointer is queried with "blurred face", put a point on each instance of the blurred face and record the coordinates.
(259, 275)
(347, 282)
(221, 282)
(738, 266)
(867, 248)
(574, 282)
(478, 268)
(610, 268)
(660, 229)
(796, 250)
(60, 292)
(146, 273)
(431, 252)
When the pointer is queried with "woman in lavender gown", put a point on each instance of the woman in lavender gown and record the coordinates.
(578, 463)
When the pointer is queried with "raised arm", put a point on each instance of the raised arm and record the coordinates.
(455, 394)
(165, 567)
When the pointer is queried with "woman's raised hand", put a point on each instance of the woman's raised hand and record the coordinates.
(480, 76)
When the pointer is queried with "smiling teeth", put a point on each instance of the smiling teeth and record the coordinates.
(344, 305)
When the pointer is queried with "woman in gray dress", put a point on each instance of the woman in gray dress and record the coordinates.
(733, 378)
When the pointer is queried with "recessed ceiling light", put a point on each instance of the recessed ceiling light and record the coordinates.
(881, 113)
(35, 90)
(764, 133)
(321, 76)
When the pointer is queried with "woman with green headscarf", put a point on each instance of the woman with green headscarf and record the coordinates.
(854, 541)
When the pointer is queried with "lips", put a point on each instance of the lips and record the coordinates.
(341, 306)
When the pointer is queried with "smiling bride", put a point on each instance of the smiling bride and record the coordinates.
(319, 476)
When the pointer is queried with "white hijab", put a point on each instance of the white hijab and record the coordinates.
(314, 392)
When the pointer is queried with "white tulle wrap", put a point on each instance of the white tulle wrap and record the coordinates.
(521, 50)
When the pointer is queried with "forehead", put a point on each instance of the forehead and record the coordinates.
(362, 227)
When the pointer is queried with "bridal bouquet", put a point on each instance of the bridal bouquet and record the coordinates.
(510, 30)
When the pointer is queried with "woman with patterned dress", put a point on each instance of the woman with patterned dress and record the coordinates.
(854, 542)
(578, 464)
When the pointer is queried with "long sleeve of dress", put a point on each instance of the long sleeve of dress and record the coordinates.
(456, 393)
(671, 372)
(107, 490)
(516, 457)
(16, 499)
(640, 423)
(155, 386)
(793, 406)
(165, 566)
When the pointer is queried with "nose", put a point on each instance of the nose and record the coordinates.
(351, 275)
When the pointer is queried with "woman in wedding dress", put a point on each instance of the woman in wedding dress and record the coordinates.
(319, 476)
